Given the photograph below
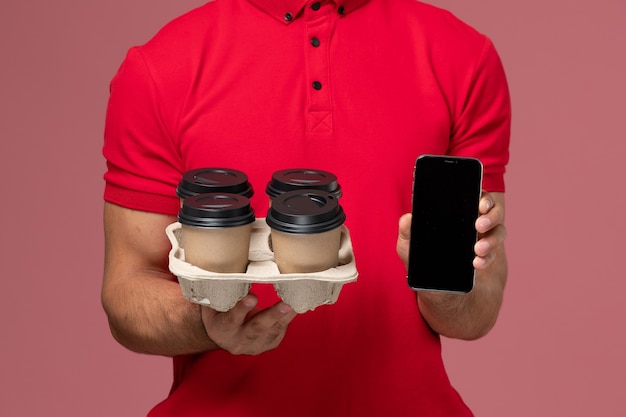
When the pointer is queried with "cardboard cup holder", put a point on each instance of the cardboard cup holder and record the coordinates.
(302, 291)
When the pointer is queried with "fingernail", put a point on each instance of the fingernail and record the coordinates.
(482, 247)
(484, 223)
(284, 308)
(249, 302)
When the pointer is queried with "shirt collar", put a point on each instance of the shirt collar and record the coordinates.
(287, 11)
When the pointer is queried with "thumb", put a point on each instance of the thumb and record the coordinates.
(404, 237)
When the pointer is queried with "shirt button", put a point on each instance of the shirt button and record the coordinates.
(315, 42)
(316, 5)
(341, 10)
(288, 17)
(317, 85)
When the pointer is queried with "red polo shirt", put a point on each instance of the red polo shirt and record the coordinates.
(358, 88)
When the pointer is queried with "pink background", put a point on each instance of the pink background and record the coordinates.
(559, 346)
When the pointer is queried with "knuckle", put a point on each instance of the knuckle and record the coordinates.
(251, 337)
(272, 336)
(281, 327)
(273, 339)
(256, 327)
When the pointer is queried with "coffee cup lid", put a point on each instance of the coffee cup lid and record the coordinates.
(305, 212)
(302, 178)
(214, 180)
(216, 210)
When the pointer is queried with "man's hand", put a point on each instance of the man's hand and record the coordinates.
(245, 331)
(472, 315)
(145, 306)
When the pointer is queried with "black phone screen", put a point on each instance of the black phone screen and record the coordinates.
(446, 193)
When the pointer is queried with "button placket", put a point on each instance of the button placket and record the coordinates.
(319, 26)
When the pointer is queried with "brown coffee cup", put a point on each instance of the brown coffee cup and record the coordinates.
(305, 231)
(216, 231)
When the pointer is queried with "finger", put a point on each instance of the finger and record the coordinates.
(481, 262)
(279, 313)
(232, 319)
(404, 227)
(492, 218)
(279, 328)
(486, 202)
(488, 242)
(404, 237)
(266, 330)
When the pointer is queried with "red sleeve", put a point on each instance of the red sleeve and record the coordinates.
(143, 164)
(482, 126)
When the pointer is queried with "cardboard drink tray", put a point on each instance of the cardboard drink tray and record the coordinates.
(303, 292)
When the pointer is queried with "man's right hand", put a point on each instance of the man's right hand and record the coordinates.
(145, 306)
(245, 330)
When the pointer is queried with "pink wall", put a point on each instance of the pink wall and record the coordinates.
(559, 346)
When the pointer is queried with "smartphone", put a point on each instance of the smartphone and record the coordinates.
(446, 193)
